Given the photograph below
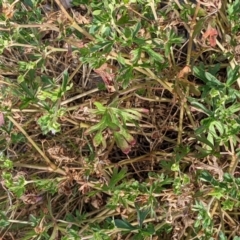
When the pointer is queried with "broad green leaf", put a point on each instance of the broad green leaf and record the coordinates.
(199, 72)
(212, 131)
(210, 138)
(148, 231)
(124, 19)
(126, 116)
(214, 69)
(127, 33)
(213, 80)
(20, 79)
(96, 12)
(100, 126)
(124, 224)
(114, 117)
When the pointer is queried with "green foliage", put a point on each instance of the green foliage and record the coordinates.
(225, 190)
(114, 119)
(45, 56)
(203, 222)
(233, 14)
(222, 122)
(16, 185)
(49, 121)
(142, 231)
(5, 163)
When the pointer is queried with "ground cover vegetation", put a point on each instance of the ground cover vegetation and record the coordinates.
(119, 119)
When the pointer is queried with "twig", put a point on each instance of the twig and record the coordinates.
(79, 96)
(74, 24)
(51, 165)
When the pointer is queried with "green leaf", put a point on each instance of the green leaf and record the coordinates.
(199, 72)
(128, 114)
(134, 112)
(175, 167)
(124, 224)
(142, 214)
(228, 205)
(113, 126)
(213, 80)
(156, 56)
(125, 76)
(136, 29)
(203, 139)
(97, 139)
(127, 33)
(97, 127)
(136, 54)
(199, 106)
(96, 12)
(234, 108)
(219, 126)
(121, 59)
(232, 75)
(3, 220)
(29, 3)
(207, 177)
(100, 107)
(20, 79)
(65, 81)
(117, 176)
(222, 236)
(104, 47)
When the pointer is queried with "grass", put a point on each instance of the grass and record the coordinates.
(119, 120)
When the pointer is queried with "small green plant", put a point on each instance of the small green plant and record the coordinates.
(115, 119)
(17, 184)
(204, 221)
(219, 103)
